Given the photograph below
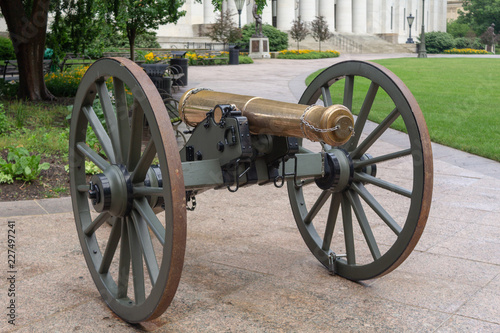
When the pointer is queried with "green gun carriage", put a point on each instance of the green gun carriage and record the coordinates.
(360, 193)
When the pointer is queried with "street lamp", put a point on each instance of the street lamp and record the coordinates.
(239, 7)
(422, 52)
(410, 20)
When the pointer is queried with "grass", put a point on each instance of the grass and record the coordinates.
(459, 98)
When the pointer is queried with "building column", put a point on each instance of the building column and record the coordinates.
(307, 10)
(208, 12)
(359, 17)
(327, 9)
(344, 15)
(286, 14)
(267, 14)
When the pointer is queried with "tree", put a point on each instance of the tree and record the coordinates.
(319, 30)
(135, 17)
(480, 14)
(27, 24)
(299, 31)
(224, 30)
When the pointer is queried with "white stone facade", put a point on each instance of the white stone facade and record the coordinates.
(378, 17)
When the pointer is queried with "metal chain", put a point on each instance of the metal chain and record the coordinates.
(308, 124)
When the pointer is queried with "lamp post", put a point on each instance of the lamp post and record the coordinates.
(410, 20)
(422, 52)
(239, 7)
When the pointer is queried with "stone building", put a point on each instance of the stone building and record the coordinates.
(385, 18)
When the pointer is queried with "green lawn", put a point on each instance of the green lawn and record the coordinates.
(460, 99)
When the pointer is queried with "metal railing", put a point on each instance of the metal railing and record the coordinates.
(346, 44)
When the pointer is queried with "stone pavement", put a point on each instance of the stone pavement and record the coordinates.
(247, 268)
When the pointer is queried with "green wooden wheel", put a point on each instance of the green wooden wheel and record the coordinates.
(366, 220)
(136, 258)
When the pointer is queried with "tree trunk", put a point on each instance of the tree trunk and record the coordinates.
(28, 37)
(131, 33)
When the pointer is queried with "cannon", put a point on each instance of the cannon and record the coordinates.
(360, 193)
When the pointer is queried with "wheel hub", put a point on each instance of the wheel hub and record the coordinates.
(339, 171)
(111, 191)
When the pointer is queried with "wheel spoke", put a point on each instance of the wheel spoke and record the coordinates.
(377, 132)
(348, 232)
(111, 246)
(366, 178)
(122, 116)
(363, 223)
(111, 122)
(327, 96)
(93, 156)
(147, 247)
(383, 158)
(144, 163)
(331, 221)
(137, 266)
(323, 197)
(363, 115)
(348, 91)
(140, 191)
(99, 220)
(377, 208)
(124, 263)
(135, 144)
(100, 132)
(150, 218)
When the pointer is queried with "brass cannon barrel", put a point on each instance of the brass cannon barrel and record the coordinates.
(332, 125)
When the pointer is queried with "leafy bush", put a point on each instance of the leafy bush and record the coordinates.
(457, 29)
(438, 41)
(242, 59)
(468, 43)
(278, 40)
(6, 49)
(307, 54)
(64, 84)
(20, 165)
(4, 121)
(8, 89)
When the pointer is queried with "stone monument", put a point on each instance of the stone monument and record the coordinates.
(259, 44)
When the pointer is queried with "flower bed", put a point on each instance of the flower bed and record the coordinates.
(465, 51)
(65, 84)
(307, 54)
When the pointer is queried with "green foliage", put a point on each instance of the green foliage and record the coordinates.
(456, 28)
(468, 43)
(21, 165)
(244, 60)
(4, 120)
(438, 41)
(65, 84)
(8, 89)
(479, 14)
(6, 49)
(278, 40)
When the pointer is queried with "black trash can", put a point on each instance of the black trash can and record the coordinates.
(233, 56)
(183, 64)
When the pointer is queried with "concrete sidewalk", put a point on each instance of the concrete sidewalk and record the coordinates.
(247, 267)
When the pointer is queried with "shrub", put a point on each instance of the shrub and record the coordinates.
(307, 54)
(468, 43)
(278, 40)
(6, 49)
(4, 121)
(8, 89)
(457, 29)
(438, 41)
(64, 84)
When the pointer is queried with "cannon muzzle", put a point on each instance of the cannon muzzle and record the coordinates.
(332, 125)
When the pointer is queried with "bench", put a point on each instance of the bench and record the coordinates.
(214, 57)
(10, 70)
(72, 59)
(116, 54)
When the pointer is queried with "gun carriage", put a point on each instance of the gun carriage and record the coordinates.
(131, 218)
